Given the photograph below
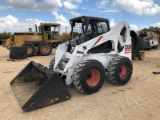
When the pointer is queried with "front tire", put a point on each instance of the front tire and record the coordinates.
(88, 76)
(119, 70)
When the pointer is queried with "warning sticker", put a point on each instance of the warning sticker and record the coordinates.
(128, 49)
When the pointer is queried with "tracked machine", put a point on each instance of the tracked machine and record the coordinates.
(96, 54)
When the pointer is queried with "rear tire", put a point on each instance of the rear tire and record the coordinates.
(18, 52)
(88, 76)
(30, 50)
(45, 49)
(119, 70)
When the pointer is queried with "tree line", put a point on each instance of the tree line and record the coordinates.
(4, 35)
(154, 29)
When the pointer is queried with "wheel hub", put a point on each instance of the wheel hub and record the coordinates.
(123, 71)
(45, 49)
(93, 77)
(29, 50)
(89, 75)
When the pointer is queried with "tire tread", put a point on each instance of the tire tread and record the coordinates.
(112, 75)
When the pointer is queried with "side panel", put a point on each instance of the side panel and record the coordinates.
(34, 37)
(20, 38)
(103, 58)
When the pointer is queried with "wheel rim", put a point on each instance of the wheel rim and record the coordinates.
(93, 77)
(29, 50)
(123, 71)
(45, 49)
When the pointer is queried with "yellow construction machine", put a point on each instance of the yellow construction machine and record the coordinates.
(46, 36)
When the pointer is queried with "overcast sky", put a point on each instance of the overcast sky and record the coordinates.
(19, 15)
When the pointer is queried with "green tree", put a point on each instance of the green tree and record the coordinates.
(4, 35)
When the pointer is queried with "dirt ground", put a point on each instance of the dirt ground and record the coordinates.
(138, 100)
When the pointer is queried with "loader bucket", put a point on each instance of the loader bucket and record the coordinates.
(37, 86)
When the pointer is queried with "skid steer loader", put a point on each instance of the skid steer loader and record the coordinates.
(96, 54)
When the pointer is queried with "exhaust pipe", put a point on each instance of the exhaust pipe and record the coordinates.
(36, 27)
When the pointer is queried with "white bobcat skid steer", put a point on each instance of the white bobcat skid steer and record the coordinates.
(93, 52)
(85, 62)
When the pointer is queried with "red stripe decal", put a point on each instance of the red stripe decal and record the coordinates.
(99, 38)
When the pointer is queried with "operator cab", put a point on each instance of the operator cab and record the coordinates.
(85, 28)
(51, 30)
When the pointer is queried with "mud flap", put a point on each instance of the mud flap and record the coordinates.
(37, 86)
